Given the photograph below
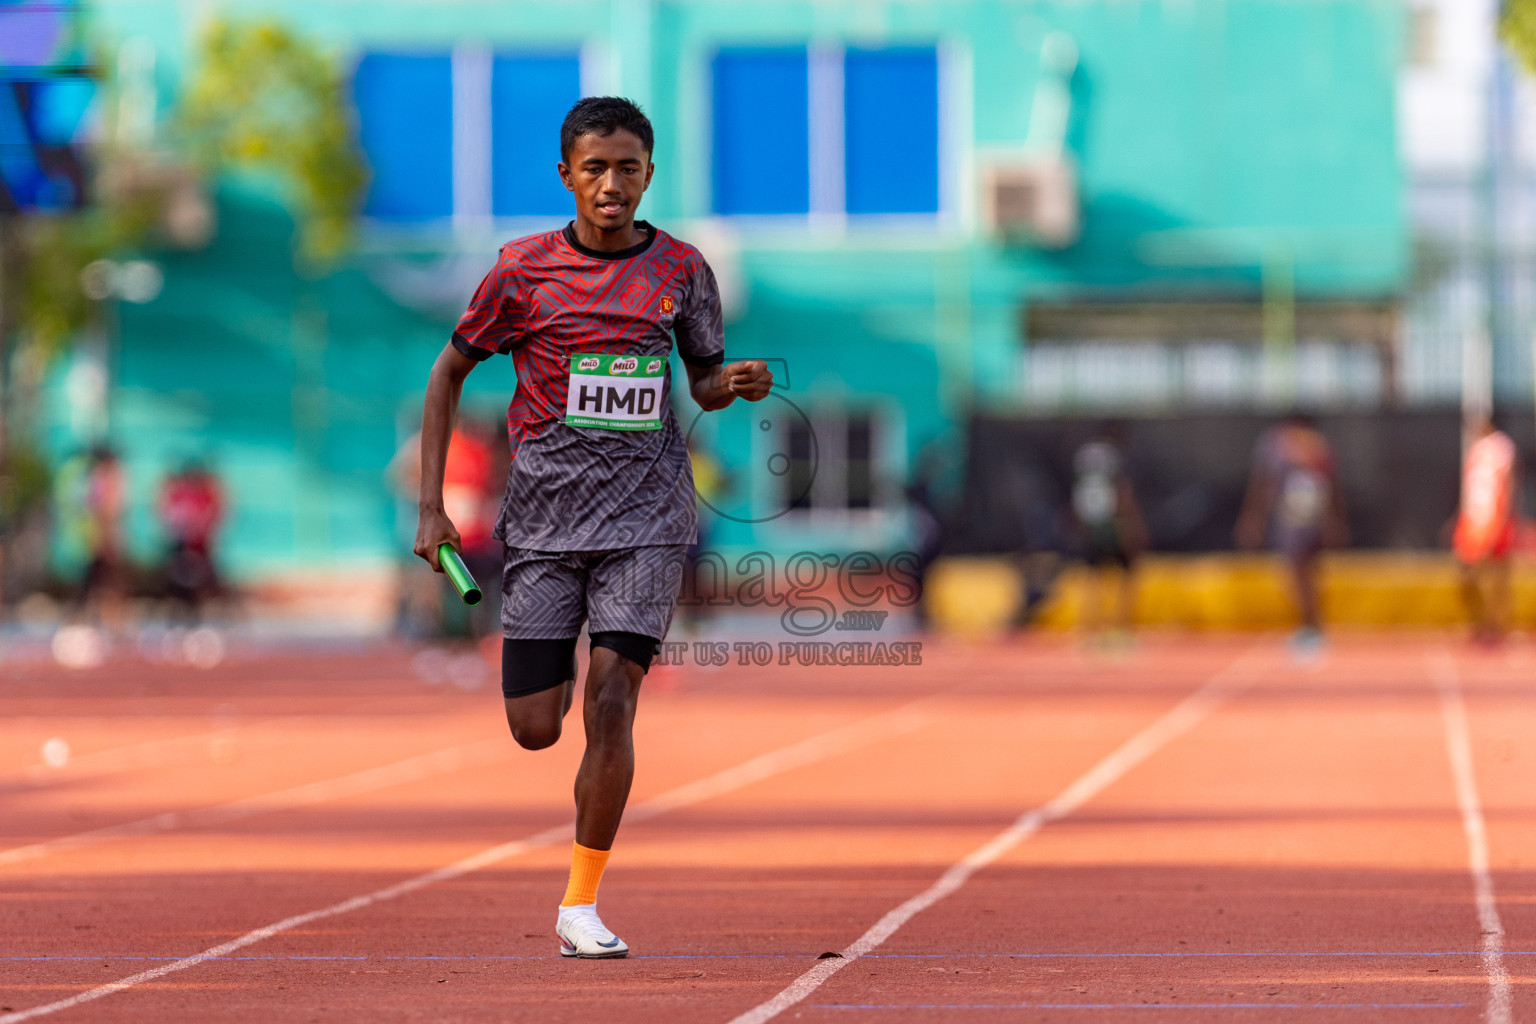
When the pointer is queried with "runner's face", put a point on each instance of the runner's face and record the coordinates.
(608, 174)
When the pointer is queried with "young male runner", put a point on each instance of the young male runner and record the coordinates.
(1295, 495)
(599, 508)
(1113, 533)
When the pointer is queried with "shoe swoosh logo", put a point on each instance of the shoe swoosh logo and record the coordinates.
(609, 945)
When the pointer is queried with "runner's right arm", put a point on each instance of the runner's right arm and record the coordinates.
(441, 408)
(491, 324)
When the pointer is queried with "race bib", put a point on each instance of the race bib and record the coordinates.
(611, 392)
(1303, 499)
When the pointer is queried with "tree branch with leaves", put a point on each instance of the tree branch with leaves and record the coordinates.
(264, 98)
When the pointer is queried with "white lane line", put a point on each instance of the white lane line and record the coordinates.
(149, 754)
(829, 744)
(1458, 746)
(246, 735)
(1177, 721)
(412, 769)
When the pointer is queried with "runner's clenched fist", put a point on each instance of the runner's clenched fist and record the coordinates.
(749, 379)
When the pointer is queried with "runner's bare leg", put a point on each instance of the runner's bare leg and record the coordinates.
(608, 766)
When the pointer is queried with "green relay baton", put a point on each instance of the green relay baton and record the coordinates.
(458, 572)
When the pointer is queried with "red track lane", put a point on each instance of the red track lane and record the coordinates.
(1297, 854)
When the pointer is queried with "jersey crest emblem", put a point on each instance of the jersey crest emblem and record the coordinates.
(667, 308)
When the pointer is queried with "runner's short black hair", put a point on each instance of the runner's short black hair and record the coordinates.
(603, 115)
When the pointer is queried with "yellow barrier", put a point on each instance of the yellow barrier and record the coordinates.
(983, 595)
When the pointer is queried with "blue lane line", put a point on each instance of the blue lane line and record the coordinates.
(1113, 956)
(1171, 956)
(797, 956)
(1137, 1006)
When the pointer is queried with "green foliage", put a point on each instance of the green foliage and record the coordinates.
(52, 307)
(24, 484)
(55, 248)
(262, 98)
(259, 98)
(1517, 27)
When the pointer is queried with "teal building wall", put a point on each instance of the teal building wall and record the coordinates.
(1251, 126)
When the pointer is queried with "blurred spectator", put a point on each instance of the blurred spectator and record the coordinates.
(1112, 531)
(102, 590)
(1485, 528)
(191, 509)
(1294, 497)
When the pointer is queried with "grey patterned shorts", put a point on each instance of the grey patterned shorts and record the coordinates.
(547, 595)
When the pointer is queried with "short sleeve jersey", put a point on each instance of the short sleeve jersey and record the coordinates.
(550, 298)
(1300, 462)
(1486, 521)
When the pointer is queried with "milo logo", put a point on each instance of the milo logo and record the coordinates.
(627, 365)
(589, 363)
(653, 366)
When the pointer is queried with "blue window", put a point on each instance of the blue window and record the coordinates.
(405, 115)
(41, 122)
(891, 128)
(761, 132)
(529, 99)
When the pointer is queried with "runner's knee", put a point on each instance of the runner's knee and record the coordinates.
(610, 714)
(533, 733)
(610, 705)
(534, 674)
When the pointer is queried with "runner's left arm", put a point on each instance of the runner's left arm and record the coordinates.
(700, 332)
(715, 387)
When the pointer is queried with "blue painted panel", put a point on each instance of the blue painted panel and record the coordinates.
(891, 126)
(60, 108)
(761, 132)
(405, 124)
(530, 95)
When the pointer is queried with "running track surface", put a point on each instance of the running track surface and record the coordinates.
(1227, 835)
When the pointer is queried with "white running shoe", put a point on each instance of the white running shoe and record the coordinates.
(583, 934)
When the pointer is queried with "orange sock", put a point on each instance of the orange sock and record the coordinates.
(586, 872)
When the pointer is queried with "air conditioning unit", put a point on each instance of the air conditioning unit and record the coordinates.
(1032, 200)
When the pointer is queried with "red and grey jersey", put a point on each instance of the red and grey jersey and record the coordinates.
(550, 298)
